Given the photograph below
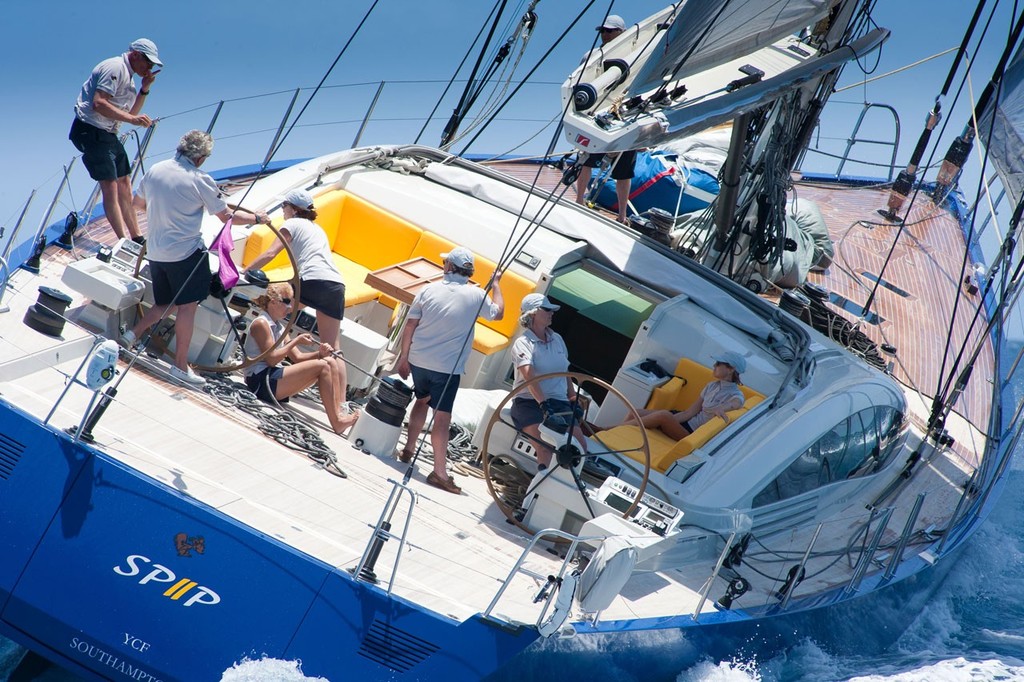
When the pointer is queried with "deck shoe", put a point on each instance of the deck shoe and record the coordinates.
(187, 376)
(447, 484)
(405, 456)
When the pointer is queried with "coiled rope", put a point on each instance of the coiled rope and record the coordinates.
(281, 425)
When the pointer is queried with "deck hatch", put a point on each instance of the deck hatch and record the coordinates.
(10, 455)
(886, 283)
(855, 309)
(394, 648)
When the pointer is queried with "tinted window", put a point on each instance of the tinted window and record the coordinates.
(857, 446)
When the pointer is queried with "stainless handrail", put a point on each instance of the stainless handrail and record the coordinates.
(908, 529)
(381, 534)
(869, 552)
(544, 534)
(853, 139)
(714, 574)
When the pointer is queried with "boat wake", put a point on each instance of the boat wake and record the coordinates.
(267, 670)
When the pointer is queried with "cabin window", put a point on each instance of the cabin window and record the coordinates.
(859, 445)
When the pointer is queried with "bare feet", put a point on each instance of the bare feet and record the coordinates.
(345, 420)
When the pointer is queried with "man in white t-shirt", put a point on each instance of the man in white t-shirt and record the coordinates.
(175, 194)
(109, 98)
(436, 341)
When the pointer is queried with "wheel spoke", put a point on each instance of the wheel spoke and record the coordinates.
(567, 455)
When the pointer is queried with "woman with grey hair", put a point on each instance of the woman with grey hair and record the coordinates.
(175, 194)
(552, 402)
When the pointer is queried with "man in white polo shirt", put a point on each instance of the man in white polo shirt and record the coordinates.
(175, 194)
(107, 99)
(436, 341)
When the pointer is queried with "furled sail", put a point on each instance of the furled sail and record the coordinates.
(708, 33)
(1007, 129)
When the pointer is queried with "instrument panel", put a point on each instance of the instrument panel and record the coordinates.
(651, 513)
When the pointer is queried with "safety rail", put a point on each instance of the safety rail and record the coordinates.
(233, 147)
(365, 569)
(548, 595)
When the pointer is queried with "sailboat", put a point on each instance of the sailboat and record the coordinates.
(159, 531)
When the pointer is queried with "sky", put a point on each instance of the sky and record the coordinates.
(254, 54)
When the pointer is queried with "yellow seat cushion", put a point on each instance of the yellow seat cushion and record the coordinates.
(372, 237)
(679, 393)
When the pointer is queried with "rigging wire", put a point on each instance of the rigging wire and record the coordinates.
(458, 113)
(444, 93)
(309, 100)
(527, 78)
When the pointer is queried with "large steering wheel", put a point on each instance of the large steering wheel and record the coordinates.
(567, 455)
(246, 361)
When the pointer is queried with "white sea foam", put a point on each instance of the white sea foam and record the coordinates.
(267, 670)
(953, 670)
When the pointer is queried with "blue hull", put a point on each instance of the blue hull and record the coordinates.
(112, 574)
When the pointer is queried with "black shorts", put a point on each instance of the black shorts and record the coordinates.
(526, 412)
(439, 386)
(623, 168)
(186, 281)
(264, 384)
(326, 296)
(102, 153)
(685, 424)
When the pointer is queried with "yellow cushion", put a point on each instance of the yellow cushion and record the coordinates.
(627, 440)
(372, 237)
(513, 289)
(328, 211)
(431, 246)
(678, 393)
(356, 289)
(487, 341)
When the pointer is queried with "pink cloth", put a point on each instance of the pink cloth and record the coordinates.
(223, 246)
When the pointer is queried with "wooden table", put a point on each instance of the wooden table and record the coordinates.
(402, 282)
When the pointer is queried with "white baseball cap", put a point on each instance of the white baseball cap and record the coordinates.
(299, 198)
(460, 257)
(533, 302)
(148, 48)
(613, 23)
(735, 360)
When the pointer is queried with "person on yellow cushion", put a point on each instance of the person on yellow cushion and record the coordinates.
(716, 399)
(321, 286)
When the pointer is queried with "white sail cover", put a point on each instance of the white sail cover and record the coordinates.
(1007, 141)
(723, 30)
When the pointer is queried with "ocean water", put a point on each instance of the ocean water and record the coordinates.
(971, 630)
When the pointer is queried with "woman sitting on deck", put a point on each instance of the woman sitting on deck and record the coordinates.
(269, 381)
(716, 399)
